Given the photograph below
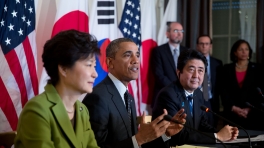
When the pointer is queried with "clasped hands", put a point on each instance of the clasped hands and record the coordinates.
(158, 127)
(242, 112)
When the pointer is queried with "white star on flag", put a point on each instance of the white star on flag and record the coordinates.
(14, 13)
(11, 27)
(23, 18)
(20, 32)
(8, 41)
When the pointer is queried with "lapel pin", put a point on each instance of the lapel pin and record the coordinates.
(81, 108)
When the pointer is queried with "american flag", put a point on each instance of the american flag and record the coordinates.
(130, 28)
(130, 21)
(18, 75)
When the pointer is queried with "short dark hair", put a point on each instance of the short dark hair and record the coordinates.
(204, 35)
(234, 48)
(190, 54)
(112, 48)
(65, 48)
(169, 25)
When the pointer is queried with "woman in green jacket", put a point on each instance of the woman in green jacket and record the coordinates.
(56, 118)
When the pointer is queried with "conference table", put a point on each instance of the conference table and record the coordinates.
(256, 138)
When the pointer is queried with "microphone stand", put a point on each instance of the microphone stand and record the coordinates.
(206, 109)
(169, 118)
(252, 106)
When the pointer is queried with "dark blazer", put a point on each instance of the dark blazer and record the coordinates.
(232, 94)
(163, 66)
(216, 67)
(173, 98)
(108, 116)
(44, 123)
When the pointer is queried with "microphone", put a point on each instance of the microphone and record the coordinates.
(252, 106)
(169, 118)
(260, 92)
(206, 109)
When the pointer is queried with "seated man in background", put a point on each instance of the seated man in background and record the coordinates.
(112, 108)
(183, 93)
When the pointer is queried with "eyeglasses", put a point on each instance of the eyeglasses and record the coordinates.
(178, 31)
(206, 44)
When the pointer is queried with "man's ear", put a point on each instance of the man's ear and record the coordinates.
(211, 47)
(109, 62)
(178, 73)
(62, 70)
(167, 34)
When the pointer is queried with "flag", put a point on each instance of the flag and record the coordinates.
(148, 39)
(18, 67)
(130, 28)
(169, 15)
(103, 25)
(70, 15)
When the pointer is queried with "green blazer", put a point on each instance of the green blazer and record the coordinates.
(44, 123)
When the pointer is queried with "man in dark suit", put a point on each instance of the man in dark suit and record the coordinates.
(183, 93)
(112, 111)
(211, 84)
(164, 57)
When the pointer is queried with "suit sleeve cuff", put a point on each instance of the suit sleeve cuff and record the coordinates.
(165, 138)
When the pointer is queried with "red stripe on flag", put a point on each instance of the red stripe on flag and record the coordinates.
(74, 16)
(7, 106)
(15, 67)
(146, 75)
(31, 65)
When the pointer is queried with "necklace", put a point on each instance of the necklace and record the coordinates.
(241, 67)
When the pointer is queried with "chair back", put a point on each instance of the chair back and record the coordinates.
(7, 139)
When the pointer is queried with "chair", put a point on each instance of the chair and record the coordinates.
(7, 139)
(147, 119)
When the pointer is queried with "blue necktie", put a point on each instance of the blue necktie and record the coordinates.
(189, 98)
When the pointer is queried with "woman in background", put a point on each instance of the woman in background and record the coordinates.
(56, 118)
(241, 79)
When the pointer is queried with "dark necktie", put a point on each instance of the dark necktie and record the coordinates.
(205, 87)
(189, 98)
(128, 101)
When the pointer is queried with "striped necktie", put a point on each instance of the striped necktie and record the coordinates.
(128, 101)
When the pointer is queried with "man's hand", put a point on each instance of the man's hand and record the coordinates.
(239, 111)
(176, 128)
(228, 133)
(152, 130)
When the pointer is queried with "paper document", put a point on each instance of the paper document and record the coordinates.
(239, 140)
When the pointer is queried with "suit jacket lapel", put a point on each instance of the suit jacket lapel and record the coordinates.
(185, 103)
(213, 71)
(196, 110)
(119, 103)
(60, 114)
(78, 121)
(134, 114)
(168, 55)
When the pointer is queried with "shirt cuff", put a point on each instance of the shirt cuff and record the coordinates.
(216, 139)
(135, 144)
(165, 138)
